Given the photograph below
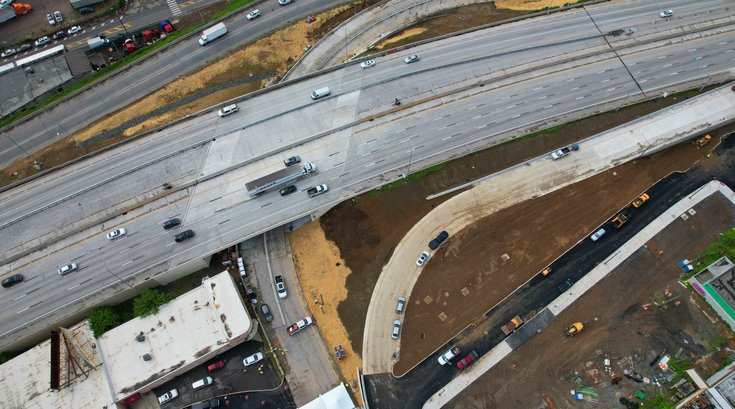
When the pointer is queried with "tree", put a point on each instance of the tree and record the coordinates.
(104, 319)
(148, 301)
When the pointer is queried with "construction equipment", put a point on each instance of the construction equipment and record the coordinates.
(546, 271)
(575, 328)
(703, 141)
(638, 202)
(512, 325)
(619, 220)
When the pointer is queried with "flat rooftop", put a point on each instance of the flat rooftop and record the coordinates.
(183, 333)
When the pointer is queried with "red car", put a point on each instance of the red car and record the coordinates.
(216, 366)
(467, 360)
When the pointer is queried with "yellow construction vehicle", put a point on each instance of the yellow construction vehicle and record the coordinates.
(619, 220)
(638, 202)
(574, 329)
(703, 141)
(546, 271)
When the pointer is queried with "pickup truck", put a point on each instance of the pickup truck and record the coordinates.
(558, 154)
(512, 325)
(301, 324)
(317, 190)
(447, 357)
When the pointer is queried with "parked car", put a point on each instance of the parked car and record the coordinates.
(25, 47)
(50, 19)
(411, 59)
(400, 305)
(422, 258)
(58, 35)
(253, 359)
(58, 17)
(9, 53)
(287, 190)
(467, 360)
(42, 41)
(567, 284)
(115, 234)
(292, 160)
(438, 240)
(171, 223)
(187, 234)
(168, 396)
(266, 312)
(215, 366)
(12, 280)
(74, 30)
(253, 14)
(666, 13)
(597, 235)
(85, 10)
(396, 329)
(64, 270)
(202, 383)
(299, 325)
(280, 287)
(367, 64)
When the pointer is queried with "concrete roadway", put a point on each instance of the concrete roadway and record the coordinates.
(221, 213)
(155, 72)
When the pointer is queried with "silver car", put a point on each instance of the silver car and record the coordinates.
(422, 258)
(64, 270)
(396, 329)
(411, 59)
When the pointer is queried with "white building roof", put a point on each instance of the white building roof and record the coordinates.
(184, 332)
(337, 398)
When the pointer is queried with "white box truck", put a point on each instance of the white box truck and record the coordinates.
(213, 33)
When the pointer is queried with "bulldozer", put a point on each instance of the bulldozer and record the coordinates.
(575, 328)
(619, 220)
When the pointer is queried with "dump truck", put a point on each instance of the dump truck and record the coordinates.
(619, 220)
(447, 357)
(512, 325)
(213, 33)
(13, 10)
(558, 154)
(638, 201)
(279, 178)
(317, 190)
(575, 328)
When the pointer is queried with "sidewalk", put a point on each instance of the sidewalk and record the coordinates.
(502, 350)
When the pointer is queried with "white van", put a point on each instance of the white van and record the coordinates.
(320, 93)
(229, 109)
(202, 383)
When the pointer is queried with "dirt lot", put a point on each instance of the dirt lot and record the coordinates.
(617, 328)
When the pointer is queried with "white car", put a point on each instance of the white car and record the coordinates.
(367, 64)
(58, 17)
(42, 41)
(253, 359)
(301, 324)
(411, 59)
(74, 30)
(422, 258)
(596, 235)
(253, 14)
(666, 13)
(64, 270)
(50, 19)
(116, 233)
(168, 396)
(280, 287)
(9, 52)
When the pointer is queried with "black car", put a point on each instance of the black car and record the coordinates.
(292, 161)
(287, 190)
(12, 280)
(171, 223)
(438, 240)
(567, 284)
(85, 10)
(266, 312)
(25, 47)
(187, 234)
(59, 35)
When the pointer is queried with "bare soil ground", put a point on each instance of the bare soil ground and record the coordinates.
(618, 327)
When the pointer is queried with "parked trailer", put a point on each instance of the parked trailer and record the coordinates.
(279, 178)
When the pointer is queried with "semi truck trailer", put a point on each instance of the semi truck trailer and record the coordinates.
(279, 178)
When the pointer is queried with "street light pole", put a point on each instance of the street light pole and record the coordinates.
(36, 164)
(408, 169)
(119, 19)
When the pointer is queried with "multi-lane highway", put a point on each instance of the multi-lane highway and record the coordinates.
(465, 93)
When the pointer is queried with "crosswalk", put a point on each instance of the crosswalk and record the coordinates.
(174, 6)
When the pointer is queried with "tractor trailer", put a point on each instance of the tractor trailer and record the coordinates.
(279, 178)
(13, 10)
